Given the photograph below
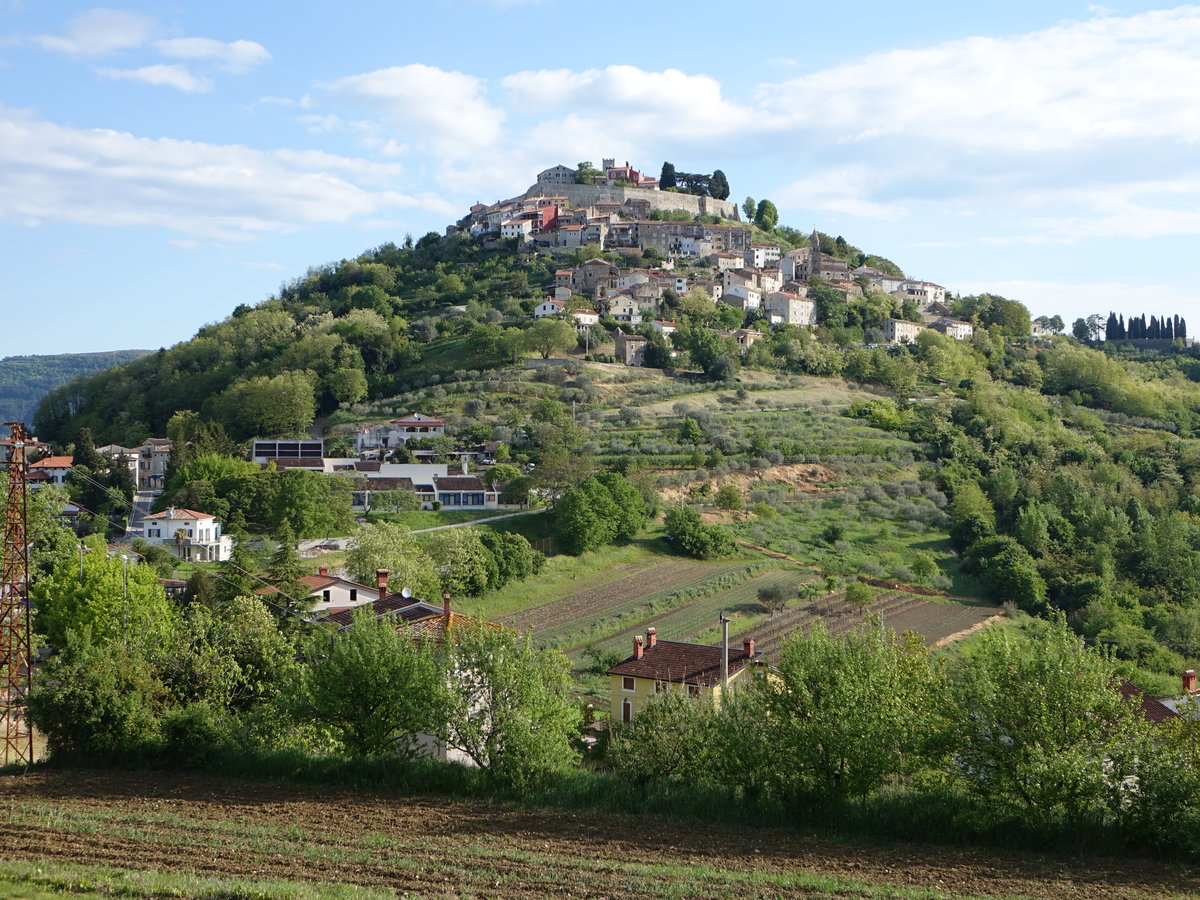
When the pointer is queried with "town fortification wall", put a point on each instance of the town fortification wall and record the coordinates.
(587, 194)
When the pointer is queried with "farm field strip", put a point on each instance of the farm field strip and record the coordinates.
(87, 830)
(619, 619)
(606, 594)
(688, 622)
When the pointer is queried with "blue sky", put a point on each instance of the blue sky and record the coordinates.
(161, 163)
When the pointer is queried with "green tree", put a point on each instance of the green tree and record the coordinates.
(689, 431)
(281, 405)
(766, 216)
(97, 700)
(836, 696)
(284, 571)
(372, 686)
(690, 535)
(1044, 730)
(667, 178)
(509, 706)
(667, 741)
(466, 566)
(116, 600)
(549, 335)
(719, 186)
(729, 496)
(748, 208)
(384, 545)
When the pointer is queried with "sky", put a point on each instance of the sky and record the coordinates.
(162, 163)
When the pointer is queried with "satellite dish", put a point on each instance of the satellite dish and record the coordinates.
(406, 593)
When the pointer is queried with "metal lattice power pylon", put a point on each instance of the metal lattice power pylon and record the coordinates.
(15, 644)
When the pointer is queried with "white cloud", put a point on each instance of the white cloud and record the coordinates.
(176, 76)
(635, 103)
(273, 266)
(232, 56)
(54, 173)
(447, 112)
(100, 31)
(1062, 87)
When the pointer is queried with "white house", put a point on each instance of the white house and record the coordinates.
(333, 591)
(188, 534)
(398, 431)
(955, 328)
(51, 470)
(586, 318)
(900, 331)
(516, 228)
(922, 292)
(762, 256)
(548, 308)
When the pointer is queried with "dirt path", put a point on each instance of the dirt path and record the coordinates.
(210, 826)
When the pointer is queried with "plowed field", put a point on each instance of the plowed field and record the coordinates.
(428, 848)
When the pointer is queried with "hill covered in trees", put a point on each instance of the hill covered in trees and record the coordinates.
(25, 380)
(1072, 472)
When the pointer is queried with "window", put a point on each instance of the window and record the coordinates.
(325, 596)
(626, 711)
(628, 684)
(353, 594)
(661, 687)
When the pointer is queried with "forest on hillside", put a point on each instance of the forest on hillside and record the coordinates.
(25, 380)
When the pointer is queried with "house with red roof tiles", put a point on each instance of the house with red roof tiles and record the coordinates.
(659, 666)
(51, 470)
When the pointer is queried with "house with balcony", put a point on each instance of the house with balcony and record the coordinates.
(188, 534)
(398, 431)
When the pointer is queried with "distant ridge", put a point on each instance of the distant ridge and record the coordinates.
(25, 380)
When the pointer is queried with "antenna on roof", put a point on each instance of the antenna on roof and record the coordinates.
(406, 593)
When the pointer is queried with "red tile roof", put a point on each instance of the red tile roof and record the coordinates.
(683, 663)
(1153, 710)
(54, 462)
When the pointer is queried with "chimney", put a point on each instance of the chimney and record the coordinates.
(1189, 682)
(381, 582)
(639, 647)
(651, 637)
(322, 570)
(748, 646)
(446, 607)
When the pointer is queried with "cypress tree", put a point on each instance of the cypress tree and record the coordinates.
(1110, 327)
(1180, 327)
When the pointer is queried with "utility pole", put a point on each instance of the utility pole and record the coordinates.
(724, 652)
(16, 655)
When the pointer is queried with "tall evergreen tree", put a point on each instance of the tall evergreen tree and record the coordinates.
(1121, 327)
(284, 570)
(1110, 327)
(1180, 327)
(719, 186)
(667, 178)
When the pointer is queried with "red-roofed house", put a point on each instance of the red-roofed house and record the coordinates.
(334, 593)
(658, 666)
(188, 534)
(51, 470)
(547, 308)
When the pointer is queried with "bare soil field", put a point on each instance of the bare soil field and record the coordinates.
(431, 848)
(808, 477)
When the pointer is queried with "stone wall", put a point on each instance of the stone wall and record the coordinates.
(587, 194)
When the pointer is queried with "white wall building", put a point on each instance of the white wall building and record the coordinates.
(188, 534)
